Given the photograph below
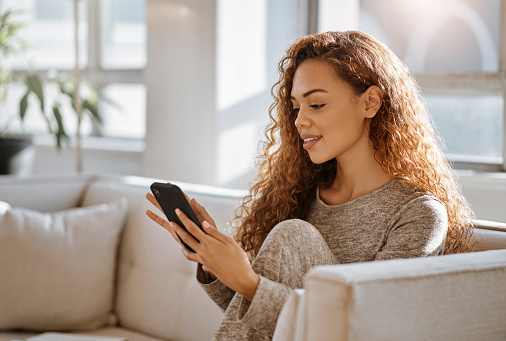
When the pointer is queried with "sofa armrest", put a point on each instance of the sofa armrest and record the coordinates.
(453, 297)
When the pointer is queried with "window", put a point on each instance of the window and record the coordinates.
(112, 40)
(123, 33)
(455, 49)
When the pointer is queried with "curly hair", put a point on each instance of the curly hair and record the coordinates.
(402, 133)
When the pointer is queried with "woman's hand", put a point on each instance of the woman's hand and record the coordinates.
(219, 254)
(200, 212)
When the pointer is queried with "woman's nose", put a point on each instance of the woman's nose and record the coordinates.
(301, 120)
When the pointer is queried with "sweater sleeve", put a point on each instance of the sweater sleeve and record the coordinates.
(216, 290)
(263, 311)
(418, 230)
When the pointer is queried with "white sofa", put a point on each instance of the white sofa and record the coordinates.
(142, 288)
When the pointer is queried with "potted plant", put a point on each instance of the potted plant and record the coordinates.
(70, 89)
(10, 43)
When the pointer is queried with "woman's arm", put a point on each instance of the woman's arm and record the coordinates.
(419, 230)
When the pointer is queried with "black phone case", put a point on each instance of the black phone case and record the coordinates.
(170, 197)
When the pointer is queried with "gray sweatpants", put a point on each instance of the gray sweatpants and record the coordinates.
(290, 250)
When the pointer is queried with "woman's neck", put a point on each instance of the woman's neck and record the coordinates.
(355, 177)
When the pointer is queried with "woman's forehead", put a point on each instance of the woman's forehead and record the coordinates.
(314, 74)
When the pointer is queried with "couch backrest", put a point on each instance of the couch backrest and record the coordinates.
(489, 235)
(156, 291)
(486, 193)
(45, 193)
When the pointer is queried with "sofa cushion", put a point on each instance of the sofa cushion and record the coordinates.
(57, 269)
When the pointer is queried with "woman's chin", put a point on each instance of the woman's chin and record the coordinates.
(318, 160)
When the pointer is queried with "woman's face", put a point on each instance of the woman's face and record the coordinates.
(331, 119)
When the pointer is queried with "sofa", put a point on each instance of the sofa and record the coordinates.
(78, 255)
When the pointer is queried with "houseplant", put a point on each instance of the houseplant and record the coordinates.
(70, 90)
(10, 44)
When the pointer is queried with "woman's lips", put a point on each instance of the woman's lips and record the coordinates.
(310, 140)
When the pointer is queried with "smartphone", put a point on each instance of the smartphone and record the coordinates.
(170, 197)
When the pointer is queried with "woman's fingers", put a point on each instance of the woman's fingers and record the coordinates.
(180, 234)
(197, 209)
(186, 236)
(214, 232)
(206, 269)
(201, 212)
(190, 226)
(153, 200)
(157, 219)
(163, 223)
(193, 256)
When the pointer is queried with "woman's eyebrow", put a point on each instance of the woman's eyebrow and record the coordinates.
(311, 92)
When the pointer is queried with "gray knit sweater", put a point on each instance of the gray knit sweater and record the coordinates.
(394, 221)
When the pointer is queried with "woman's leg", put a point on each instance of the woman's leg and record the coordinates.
(290, 250)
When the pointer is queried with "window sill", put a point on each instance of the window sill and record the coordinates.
(477, 163)
(125, 145)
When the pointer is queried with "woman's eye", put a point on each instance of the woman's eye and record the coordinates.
(317, 106)
(295, 111)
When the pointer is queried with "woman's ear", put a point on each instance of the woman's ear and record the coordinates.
(373, 100)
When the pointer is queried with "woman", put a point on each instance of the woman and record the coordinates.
(351, 172)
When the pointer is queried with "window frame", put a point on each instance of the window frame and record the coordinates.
(94, 73)
(477, 83)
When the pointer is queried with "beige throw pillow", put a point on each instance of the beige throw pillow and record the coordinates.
(57, 270)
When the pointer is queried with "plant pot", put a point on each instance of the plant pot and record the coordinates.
(15, 155)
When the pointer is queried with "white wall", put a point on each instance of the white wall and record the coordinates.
(210, 68)
(180, 81)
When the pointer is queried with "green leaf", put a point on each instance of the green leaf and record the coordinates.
(23, 105)
(9, 42)
(67, 90)
(35, 85)
(93, 110)
(64, 90)
(60, 133)
(5, 19)
(90, 93)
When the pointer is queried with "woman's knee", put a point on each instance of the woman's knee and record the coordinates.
(293, 236)
(290, 250)
(292, 230)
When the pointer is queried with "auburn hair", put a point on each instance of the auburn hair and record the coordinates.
(402, 133)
